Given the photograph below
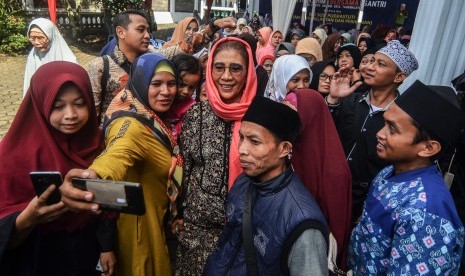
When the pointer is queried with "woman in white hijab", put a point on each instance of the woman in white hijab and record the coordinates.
(240, 24)
(320, 35)
(49, 46)
(290, 72)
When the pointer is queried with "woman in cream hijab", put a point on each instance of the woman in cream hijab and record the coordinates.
(320, 35)
(184, 29)
(310, 49)
(49, 46)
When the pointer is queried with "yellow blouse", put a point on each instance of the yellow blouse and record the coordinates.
(134, 154)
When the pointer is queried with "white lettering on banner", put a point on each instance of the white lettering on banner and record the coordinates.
(376, 4)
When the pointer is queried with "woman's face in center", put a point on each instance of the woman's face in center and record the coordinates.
(362, 46)
(229, 74)
(162, 90)
(363, 64)
(39, 40)
(300, 80)
(276, 39)
(345, 59)
(191, 29)
(69, 111)
(268, 65)
(295, 39)
(325, 78)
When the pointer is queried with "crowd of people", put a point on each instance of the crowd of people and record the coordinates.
(259, 153)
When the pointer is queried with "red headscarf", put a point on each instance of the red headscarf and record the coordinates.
(265, 58)
(32, 144)
(319, 160)
(234, 111)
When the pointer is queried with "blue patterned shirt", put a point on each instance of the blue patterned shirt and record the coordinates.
(409, 226)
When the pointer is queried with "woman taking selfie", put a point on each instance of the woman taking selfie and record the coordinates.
(55, 129)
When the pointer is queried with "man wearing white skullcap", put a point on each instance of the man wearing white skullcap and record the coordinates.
(359, 116)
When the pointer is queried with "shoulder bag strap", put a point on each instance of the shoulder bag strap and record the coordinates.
(103, 84)
(247, 233)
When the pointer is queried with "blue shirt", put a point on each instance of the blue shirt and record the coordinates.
(409, 226)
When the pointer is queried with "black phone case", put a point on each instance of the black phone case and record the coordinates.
(134, 196)
(42, 180)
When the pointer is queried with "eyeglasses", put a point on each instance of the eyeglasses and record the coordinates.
(234, 69)
(39, 39)
(324, 77)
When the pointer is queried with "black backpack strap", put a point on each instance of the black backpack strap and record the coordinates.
(103, 84)
(295, 234)
(247, 233)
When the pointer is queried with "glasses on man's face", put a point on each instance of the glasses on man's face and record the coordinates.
(324, 77)
(234, 69)
(39, 39)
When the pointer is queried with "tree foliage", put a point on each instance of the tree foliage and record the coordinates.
(13, 28)
(114, 7)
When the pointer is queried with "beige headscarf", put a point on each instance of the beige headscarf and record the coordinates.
(178, 34)
(321, 34)
(309, 45)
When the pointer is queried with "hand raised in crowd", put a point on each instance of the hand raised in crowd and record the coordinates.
(38, 212)
(76, 199)
(107, 261)
(341, 84)
(194, 42)
(225, 22)
(191, 43)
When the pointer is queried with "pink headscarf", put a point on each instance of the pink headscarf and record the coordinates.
(234, 111)
(265, 32)
(269, 48)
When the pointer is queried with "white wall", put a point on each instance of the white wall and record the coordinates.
(438, 41)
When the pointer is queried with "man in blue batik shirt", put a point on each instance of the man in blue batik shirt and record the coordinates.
(410, 225)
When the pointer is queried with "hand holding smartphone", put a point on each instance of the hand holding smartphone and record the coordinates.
(42, 180)
(120, 196)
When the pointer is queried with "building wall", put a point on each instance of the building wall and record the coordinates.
(160, 5)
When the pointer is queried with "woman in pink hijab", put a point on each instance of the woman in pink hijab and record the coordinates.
(263, 36)
(273, 41)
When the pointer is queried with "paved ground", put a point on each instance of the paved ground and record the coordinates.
(11, 81)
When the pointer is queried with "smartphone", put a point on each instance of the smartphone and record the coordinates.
(42, 180)
(120, 196)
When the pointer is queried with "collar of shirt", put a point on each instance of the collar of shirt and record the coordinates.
(366, 98)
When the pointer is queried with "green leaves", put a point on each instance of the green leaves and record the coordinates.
(13, 28)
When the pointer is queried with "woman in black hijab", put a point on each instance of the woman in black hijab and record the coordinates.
(322, 72)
